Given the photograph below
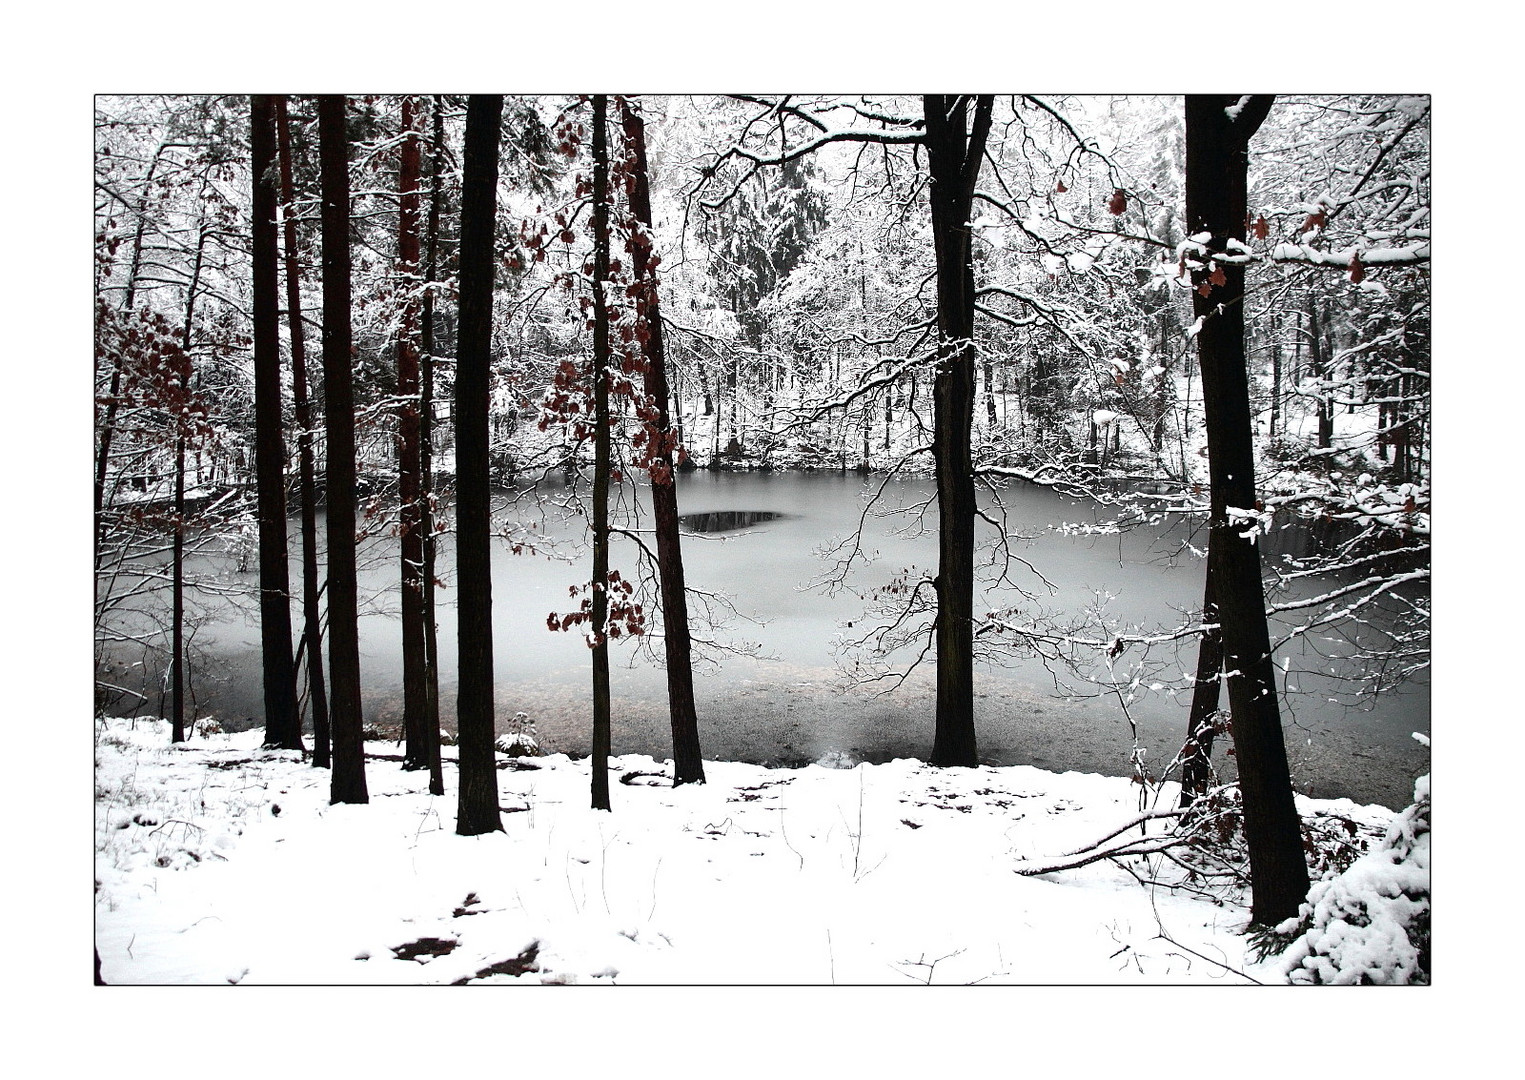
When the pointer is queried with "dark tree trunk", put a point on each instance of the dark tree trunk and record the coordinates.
(177, 602)
(348, 780)
(1217, 152)
(283, 728)
(312, 622)
(1201, 725)
(177, 552)
(426, 456)
(1318, 360)
(990, 416)
(704, 389)
(477, 805)
(954, 151)
(108, 421)
(599, 763)
(409, 481)
(107, 427)
(1275, 424)
(688, 764)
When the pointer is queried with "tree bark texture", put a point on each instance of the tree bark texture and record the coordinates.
(312, 622)
(177, 553)
(347, 784)
(955, 148)
(283, 728)
(1201, 724)
(1218, 130)
(409, 481)
(477, 803)
(599, 764)
(1319, 362)
(177, 603)
(688, 763)
(426, 455)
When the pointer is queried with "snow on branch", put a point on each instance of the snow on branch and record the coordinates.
(1308, 255)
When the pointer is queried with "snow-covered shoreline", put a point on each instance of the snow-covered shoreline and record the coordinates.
(219, 862)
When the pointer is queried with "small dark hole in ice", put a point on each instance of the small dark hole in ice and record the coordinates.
(720, 521)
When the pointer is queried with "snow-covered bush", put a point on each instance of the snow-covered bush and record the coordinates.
(520, 739)
(837, 759)
(1370, 924)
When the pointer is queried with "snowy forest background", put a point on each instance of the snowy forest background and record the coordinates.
(798, 309)
(1119, 442)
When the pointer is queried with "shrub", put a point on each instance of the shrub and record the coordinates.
(520, 739)
(1371, 923)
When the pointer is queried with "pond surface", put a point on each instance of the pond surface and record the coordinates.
(779, 695)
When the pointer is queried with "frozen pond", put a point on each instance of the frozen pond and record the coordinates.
(755, 537)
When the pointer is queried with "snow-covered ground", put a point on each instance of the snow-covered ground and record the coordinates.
(218, 862)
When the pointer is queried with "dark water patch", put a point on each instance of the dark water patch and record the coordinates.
(723, 521)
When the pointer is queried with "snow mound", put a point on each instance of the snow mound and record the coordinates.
(520, 739)
(1370, 924)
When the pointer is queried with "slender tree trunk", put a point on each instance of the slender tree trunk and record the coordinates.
(283, 728)
(1318, 360)
(954, 152)
(107, 427)
(177, 602)
(1218, 131)
(108, 421)
(312, 621)
(688, 764)
(1201, 725)
(348, 779)
(477, 805)
(599, 763)
(426, 456)
(177, 553)
(704, 389)
(1275, 424)
(409, 481)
